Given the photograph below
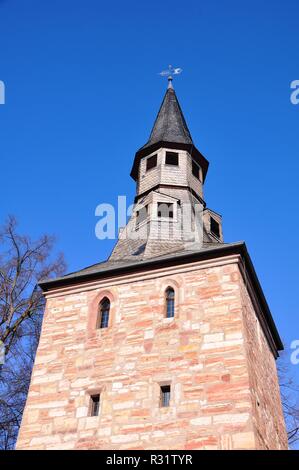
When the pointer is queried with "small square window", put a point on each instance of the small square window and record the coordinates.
(215, 228)
(195, 170)
(94, 405)
(165, 396)
(165, 210)
(172, 158)
(151, 162)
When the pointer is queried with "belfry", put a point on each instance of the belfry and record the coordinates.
(170, 213)
(168, 344)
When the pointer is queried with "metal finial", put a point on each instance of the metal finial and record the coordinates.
(170, 72)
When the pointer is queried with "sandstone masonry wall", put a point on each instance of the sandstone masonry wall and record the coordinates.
(202, 353)
(268, 420)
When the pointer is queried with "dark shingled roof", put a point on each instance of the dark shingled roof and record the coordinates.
(170, 130)
(170, 124)
(108, 266)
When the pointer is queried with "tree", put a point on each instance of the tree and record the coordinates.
(23, 263)
(289, 390)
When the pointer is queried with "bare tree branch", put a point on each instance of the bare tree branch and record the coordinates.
(23, 263)
(289, 399)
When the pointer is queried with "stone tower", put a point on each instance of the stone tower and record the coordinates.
(169, 344)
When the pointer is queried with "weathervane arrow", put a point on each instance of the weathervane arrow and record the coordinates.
(169, 73)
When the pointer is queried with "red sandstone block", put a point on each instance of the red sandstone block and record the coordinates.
(142, 413)
(206, 378)
(201, 442)
(148, 346)
(238, 384)
(226, 378)
(215, 408)
(144, 323)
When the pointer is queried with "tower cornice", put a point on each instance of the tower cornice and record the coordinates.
(172, 186)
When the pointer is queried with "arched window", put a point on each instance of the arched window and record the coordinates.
(169, 302)
(103, 315)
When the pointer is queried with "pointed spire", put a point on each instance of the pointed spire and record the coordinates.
(170, 124)
(170, 130)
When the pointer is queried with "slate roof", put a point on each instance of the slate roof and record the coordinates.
(108, 266)
(111, 265)
(170, 124)
(170, 130)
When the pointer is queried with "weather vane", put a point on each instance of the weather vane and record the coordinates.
(169, 73)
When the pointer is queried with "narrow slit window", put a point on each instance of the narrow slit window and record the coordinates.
(151, 162)
(165, 210)
(195, 170)
(94, 405)
(215, 227)
(172, 158)
(104, 311)
(165, 396)
(169, 302)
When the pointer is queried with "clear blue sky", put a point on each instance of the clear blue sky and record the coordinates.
(82, 92)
